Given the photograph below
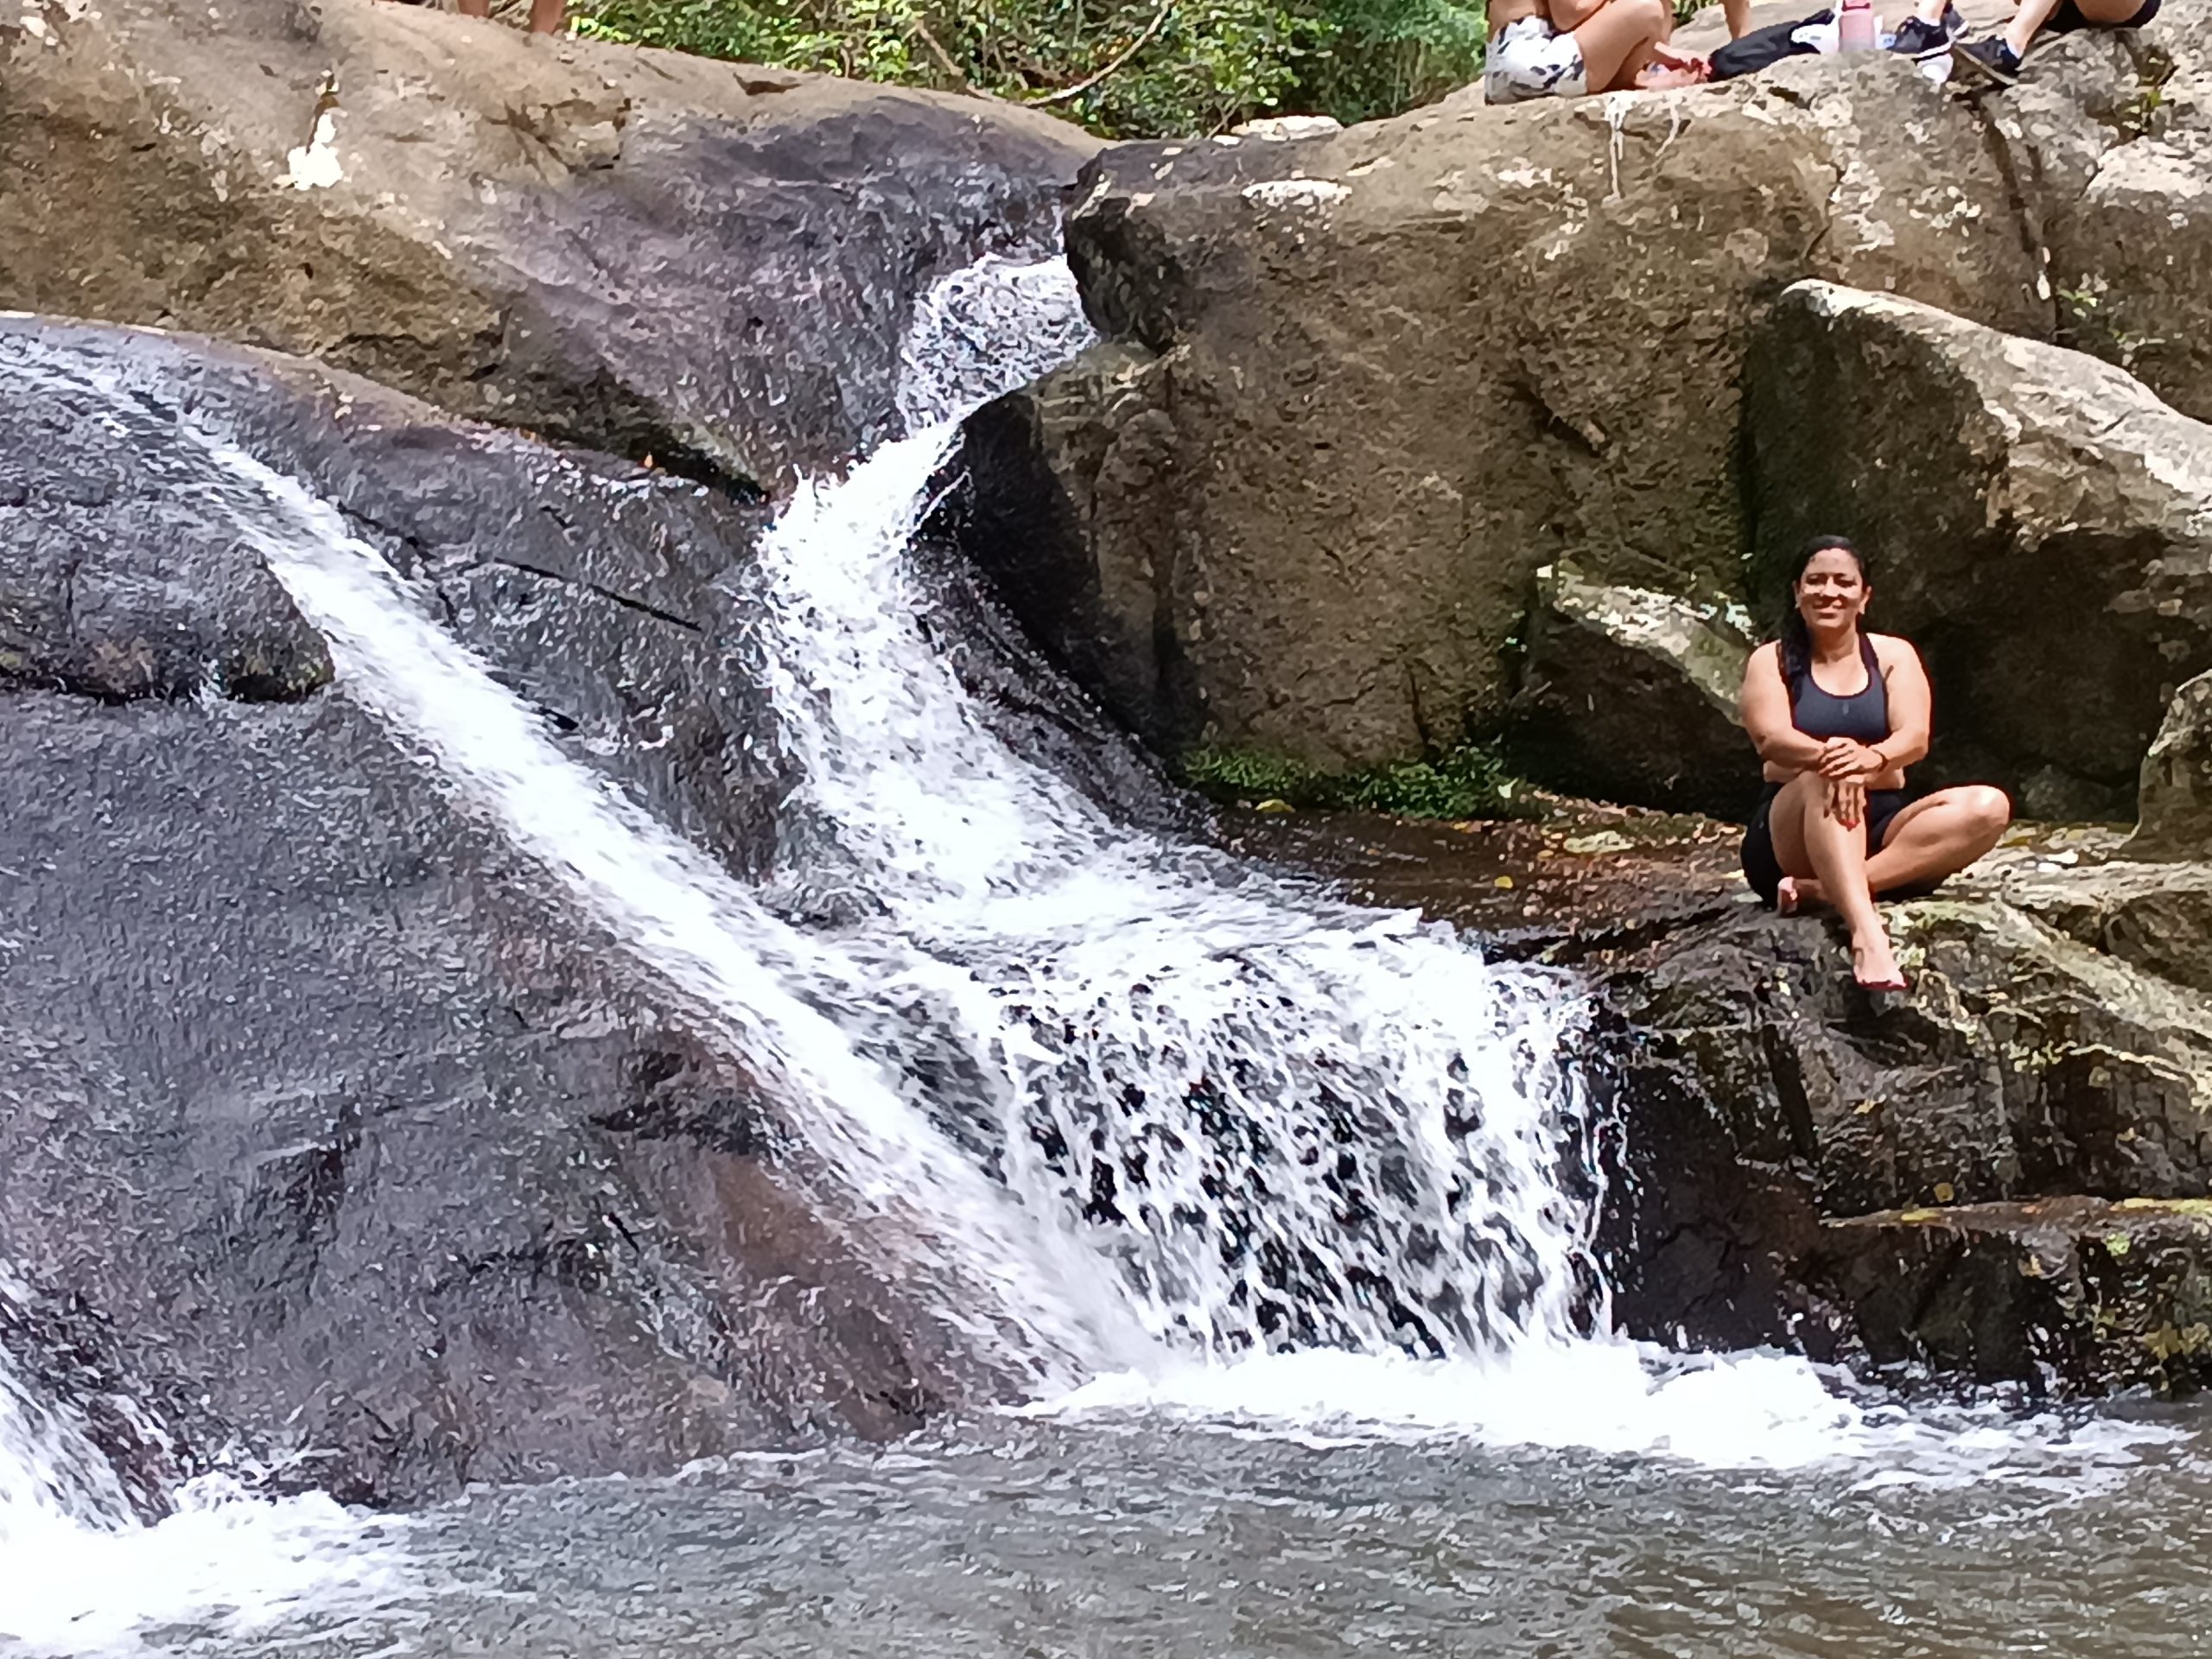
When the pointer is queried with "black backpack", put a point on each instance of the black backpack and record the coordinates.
(1751, 53)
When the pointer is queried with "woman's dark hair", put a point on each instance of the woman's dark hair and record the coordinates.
(1796, 641)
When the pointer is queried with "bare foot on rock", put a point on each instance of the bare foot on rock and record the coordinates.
(1874, 964)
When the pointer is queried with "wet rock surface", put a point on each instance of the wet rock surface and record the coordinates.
(2107, 1294)
(318, 1111)
(649, 253)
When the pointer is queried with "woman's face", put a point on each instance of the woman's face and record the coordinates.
(1832, 591)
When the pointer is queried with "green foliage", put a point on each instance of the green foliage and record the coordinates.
(1467, 783)
(1126, 68)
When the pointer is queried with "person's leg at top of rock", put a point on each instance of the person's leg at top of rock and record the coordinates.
(546, 16)
(1572, 47)
(1997, 58)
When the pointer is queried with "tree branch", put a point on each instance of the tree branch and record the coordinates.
(1151, 29)
(937, 50)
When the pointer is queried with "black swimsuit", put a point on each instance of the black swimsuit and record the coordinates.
(1865, 718)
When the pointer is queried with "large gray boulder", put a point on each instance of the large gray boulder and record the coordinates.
(643, 251)
(332, 1127)
(1373, 381)
(2175, 798)
(2040, 524)
(1363, 386)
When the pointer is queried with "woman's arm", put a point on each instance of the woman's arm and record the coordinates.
(1912, 705)
(1764, 709)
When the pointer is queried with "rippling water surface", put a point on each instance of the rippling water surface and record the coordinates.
(1146, 1534)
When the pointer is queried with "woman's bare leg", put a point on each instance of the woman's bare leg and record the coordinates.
(1808, 841)
(548, 17)
(1617, 43)
(1937, 835)
(2027, 22)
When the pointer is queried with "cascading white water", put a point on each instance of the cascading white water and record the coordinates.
(1292, 1121)
(1200, 1113)
(1195, 1106)
(51, 1474)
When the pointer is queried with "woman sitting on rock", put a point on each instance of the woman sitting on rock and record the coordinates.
(1563, 48)
(1837, 715)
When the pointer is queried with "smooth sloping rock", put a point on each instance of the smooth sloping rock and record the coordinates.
(2174, 799)
(641, 250)
(317, 1106)
(2041, 526)
(1630, 695)
(1400, 368)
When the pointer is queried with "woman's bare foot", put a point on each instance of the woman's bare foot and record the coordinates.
(1799, 893)
(1874, 964)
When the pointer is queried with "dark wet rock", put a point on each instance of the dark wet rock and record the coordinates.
(1630, 695)
(593, 586)
(2174, 798)
(2056, 1043)
(312, 1099)
(1796, 1162)
(1064, 500)
(2089, 1294)
(83, 608)
(642, 252)
(2025, 505)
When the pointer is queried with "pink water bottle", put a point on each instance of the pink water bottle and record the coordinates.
(1854, 27)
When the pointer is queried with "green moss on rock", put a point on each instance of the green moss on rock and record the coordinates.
(1468, 782)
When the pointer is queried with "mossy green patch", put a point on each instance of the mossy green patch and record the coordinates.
(1467, 782)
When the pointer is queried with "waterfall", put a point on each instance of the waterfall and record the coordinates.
(1289, 1121)
(1111, 1098)
(52, 1477)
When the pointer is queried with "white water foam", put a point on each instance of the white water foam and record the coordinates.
(81, 1574)
(1289, 1120)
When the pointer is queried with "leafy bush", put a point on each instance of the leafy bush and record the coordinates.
(1467, 783)
(1126, 68)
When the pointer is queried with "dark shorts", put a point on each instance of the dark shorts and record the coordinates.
(2068, 18)
(1764, 872)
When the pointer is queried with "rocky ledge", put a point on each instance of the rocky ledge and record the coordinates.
(649, 253)
(2002, 1174)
